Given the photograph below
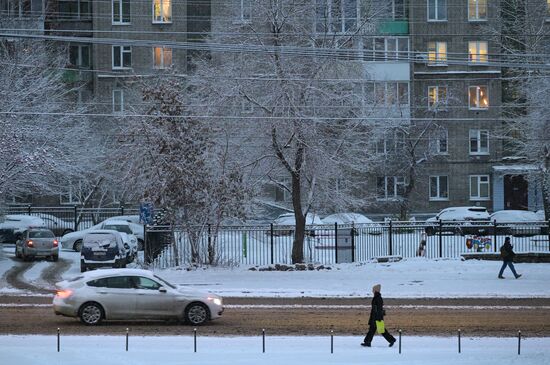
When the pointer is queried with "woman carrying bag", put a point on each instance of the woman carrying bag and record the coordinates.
(376, 319)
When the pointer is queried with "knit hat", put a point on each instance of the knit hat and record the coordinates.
(377, 288)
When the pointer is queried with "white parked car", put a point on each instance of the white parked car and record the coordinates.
(355, 218)
(283, 224)
(460, 220)
(13, 226)
(73, 241)
(129, 294)
(527, 223)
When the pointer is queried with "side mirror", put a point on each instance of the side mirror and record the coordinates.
(162, 289)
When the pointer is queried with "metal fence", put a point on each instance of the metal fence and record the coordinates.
(329, 244)
(70, 218)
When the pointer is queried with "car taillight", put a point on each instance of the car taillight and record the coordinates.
(55, 243)
(65, 293)
(30, 243)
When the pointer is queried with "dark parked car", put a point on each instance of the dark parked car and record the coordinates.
(460, 220)
(37, 242)
(102, 248)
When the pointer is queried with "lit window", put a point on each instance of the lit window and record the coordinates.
(122, 57)
(479, 187)
(121, 11)
(390, 187)
(437, 53)
(162, 11)
(479, 98)
(439, 141)
(477, 52)
(162, 57)
(479, 142)
(437, 10)
(437, 97)
(477, 10)
(118, 101)
(439, 188)
(336, 16)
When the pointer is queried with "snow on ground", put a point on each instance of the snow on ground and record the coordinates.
(410, 278)
(105, 350)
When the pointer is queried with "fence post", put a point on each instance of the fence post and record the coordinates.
(495, 235)
(29, 209)
(331, 341)
(459, 341)
(271, 242)
(440, 238)
(519, 342)
(146, 256)
(263, 340)
(58, 341)
(399, 340)
(122, 210)
(75, 217)
(549, 235)
(195, 340)
(126, 339)
(352, 241)
(336, 242)
(390, 240)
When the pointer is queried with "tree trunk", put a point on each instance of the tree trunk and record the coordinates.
(299, 233)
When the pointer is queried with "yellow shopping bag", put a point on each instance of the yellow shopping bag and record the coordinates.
(380, 327)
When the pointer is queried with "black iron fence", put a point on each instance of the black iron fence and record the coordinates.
(329, 244)
(66, 219)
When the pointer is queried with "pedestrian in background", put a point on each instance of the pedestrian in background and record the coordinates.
(376, 319)
(507, 254)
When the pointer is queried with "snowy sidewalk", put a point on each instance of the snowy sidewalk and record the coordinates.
(105, 350)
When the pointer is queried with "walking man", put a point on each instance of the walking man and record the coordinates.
(376, 319)
(507, 254)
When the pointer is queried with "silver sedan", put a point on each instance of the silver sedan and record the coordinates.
(132, 294)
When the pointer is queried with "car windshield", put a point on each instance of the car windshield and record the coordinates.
(118, 227)
(165, 282)
(41, 234)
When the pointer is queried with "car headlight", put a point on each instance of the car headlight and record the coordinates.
(217, 301)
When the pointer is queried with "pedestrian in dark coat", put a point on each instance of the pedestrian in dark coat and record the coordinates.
(377, 314)
(507, 254)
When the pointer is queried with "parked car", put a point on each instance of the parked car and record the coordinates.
(128, 294)
(73, 240)
(282, 224)
(518, 222)
(355, 218)
(460, 220)
(103, 248)
(13, 226)
(58, 226)
(37, 242)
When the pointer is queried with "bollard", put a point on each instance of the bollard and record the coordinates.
(126, 339)
(58, 341)
(195, 339)
(331, 341)
(399, 341)
(263, 340)
(519, 342)
(459, 340)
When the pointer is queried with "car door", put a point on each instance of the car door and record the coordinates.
(118, 295)
(152, 303)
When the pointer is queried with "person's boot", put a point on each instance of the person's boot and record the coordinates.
(364, 344)
(518, 276)
(391, 343)
(501, 277)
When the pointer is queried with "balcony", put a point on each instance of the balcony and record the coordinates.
(394, 27)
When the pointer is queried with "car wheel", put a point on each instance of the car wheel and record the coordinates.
(83, 268)
(196, 314)
(91, 314)
(140, 245)
(77, 245)
(55, 258)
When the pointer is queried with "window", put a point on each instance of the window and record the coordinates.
(437, 10)
(437, 97)
(386, 49)
(121, 11)
(79, 56)
(439, 188)
(390, 9)
(336, 16)
(162, 11)
(118, 101)
(390, 187)
(115, 282)
(74, 9)
(391, 93)
(145, 283)
(122, 57)
(244, 10)
(479, 142)
(479, 187)
(477, 52)
(548, 8)
(440, 141)
(162, 57)
(437, 53)
(477, 10)
(479, 98)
